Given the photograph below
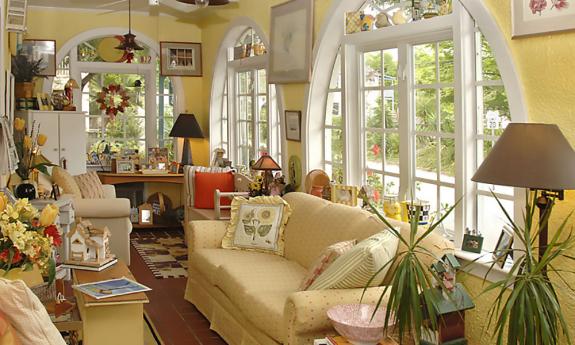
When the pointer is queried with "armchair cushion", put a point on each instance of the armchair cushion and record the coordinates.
(63, 179)
(109, 191)
(102, 208)
(90, 185)
(207, 183)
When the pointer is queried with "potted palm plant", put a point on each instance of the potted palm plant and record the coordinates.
(411, 299)
(526, 310)
(25, 70)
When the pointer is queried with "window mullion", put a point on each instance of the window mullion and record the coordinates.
(352, 155)
(406, 115)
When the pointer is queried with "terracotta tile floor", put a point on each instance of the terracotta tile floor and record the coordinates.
(177, 321)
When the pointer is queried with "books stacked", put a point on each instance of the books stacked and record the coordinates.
(90, 266)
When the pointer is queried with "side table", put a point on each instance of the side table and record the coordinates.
(65, 219)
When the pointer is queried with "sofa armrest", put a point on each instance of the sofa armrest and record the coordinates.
(204, 234)
(109, 191)
(305, 311)
(102, 208)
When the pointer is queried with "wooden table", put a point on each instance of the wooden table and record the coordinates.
(112, 178)
(115, 320)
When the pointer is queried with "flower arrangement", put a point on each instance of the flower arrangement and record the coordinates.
(107, 99)
(27, 237)
(28, 148)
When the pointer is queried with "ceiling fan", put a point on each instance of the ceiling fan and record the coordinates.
(180, 5)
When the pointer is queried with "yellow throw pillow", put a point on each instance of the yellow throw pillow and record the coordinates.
(63, 179)
(258, 224)
(355, 268)
(90, 185)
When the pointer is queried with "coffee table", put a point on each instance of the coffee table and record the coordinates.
(114, 320)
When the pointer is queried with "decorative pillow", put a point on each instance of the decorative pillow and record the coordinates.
(355, 268)
(90, 185)
(325, 259)
(189, 178)
(207, 183)
(63, 179)
(257, 224)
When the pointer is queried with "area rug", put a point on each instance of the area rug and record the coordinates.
(164, 252)
(151, 336)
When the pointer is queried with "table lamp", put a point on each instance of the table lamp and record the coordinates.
(186, 127)
(535, 156)
(266, 164)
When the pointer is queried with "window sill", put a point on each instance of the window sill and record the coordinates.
(479, 264)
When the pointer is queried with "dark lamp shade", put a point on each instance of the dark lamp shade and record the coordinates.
(186, 126)
(212, 2)
(530, 155)
(266, 163)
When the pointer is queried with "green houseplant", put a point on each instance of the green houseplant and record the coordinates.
(526, 310)
(25, 70)
(410, 300)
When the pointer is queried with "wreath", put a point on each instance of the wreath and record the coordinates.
(110, 96)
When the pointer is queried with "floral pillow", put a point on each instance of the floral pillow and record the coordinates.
(257, 224)
(325, 259)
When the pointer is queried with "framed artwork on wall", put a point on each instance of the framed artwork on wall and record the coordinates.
(41, 49)
(532, 17)
(291, 42)
(293, 125)
(181, 59)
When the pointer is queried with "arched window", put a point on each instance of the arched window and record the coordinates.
(94, 63)
(400, 114)
(244, 112)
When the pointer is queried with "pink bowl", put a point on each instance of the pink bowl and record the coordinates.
(354, 322)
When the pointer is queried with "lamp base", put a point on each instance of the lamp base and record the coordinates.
(187, 153)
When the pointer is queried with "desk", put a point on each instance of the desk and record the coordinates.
(111, 178)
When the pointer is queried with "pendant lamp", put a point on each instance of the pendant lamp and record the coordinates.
(129, 44)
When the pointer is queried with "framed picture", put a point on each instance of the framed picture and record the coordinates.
(472, 243)
(293, 125)
(503, 247)
(146, 214)
(41, 49)
(124, 166)
(44, 102)
(346, 195)
(291, 42)
(541, 16)
(158, 157)
(174, 168)
(181, 59)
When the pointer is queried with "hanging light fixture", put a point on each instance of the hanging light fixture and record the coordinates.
(205, 3)
(129, 44)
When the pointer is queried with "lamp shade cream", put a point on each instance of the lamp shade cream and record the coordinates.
(530, 155)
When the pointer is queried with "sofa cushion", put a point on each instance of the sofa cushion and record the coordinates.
(205, 185)
(324, 260)
(207, 261)
(316, 224)
(355, 268)
(63, 179)
(90, 185)
(266, 311)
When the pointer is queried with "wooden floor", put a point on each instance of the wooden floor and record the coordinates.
(177, 321)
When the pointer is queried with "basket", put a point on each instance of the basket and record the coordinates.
(45, 292)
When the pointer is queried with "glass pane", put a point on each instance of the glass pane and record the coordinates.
(446, 62)
(225, 130)
(335, 171)
(375, 180)
(447, 160)
(426, 157)
(244, 82)
(447, 106)
(390, 67)
(391, 184)
(447, 198)
(372, 68)
(333, 109)
(263, 108)
(373, 111)
(263, 133)
(391, 102)
(335, 82)
(491, 219)
(496, 110)
(426, 110)
(334, 145)
(488, 63)
(424, 58)
(392, 152)
(262, 81)
(427, 192)
(374, 152)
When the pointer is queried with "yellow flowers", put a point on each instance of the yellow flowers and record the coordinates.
(27, 142)
(3, 202)
(42, 138)
(48, 215)
(19, 124)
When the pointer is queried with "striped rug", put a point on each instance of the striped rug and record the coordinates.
(164, 252)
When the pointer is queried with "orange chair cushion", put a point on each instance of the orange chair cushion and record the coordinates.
(206, 183)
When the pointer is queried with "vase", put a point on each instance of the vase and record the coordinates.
(25, 190)
(24, 90)
(31, 278)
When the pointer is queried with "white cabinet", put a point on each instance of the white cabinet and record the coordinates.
(66, 137)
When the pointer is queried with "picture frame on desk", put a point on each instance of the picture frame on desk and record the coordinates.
(125, 166)
(44, 102)
(503, 247)
(346, 195)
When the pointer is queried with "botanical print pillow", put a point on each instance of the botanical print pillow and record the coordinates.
(257, 224)
(324, 260)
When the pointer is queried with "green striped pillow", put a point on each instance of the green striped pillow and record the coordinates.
(355, 268)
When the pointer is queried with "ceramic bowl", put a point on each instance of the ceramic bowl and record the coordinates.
(354, 322)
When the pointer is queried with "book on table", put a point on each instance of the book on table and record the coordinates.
(111, 288)
(90, 266)
(339, 340)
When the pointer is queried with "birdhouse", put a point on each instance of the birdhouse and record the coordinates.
(89, 245)
(446, 271)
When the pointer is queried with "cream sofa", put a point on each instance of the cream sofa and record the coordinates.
(253, 298)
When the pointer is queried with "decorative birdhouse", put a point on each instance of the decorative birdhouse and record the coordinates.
(89, 245)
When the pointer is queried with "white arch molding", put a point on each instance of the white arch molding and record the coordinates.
(236, 28)
(328, 45)
(112, 31)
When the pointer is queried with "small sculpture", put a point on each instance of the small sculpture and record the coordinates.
(88, 245)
